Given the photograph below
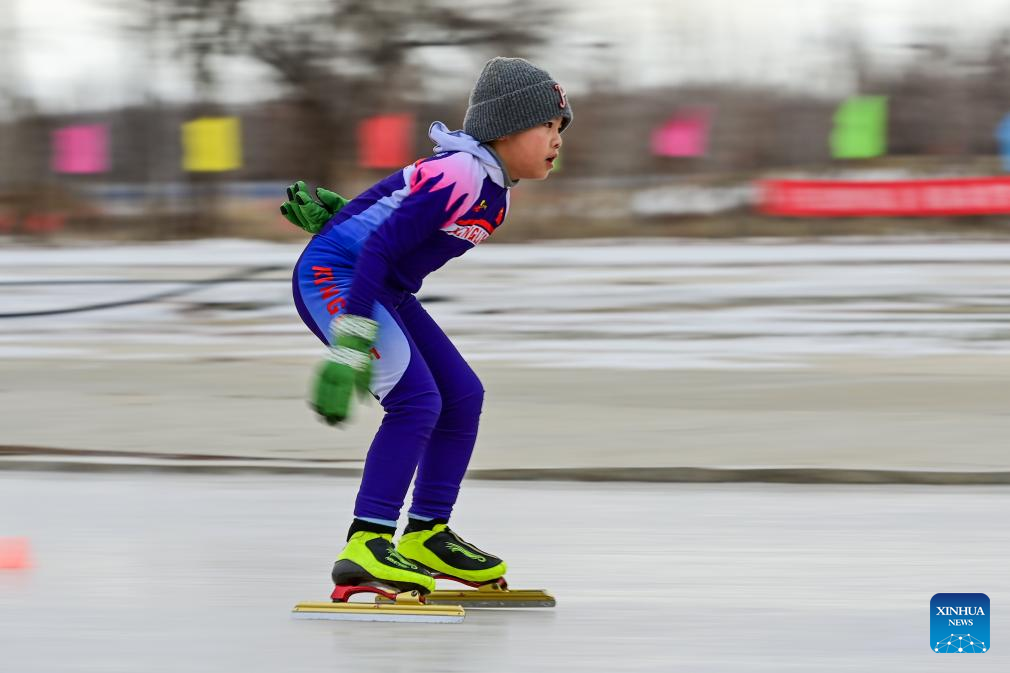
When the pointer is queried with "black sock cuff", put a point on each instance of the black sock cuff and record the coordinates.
(414, 525)
(358, 525)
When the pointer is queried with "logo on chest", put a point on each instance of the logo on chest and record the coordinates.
(474, 230)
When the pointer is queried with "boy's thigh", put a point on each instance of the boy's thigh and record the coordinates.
(451, 372)
(320, 294)
(395, 359)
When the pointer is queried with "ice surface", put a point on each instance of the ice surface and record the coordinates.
(627, 304)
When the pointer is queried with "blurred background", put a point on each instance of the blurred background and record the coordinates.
(774, 256)
(182, 118)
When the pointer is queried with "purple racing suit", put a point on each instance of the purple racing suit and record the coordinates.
(369, 260)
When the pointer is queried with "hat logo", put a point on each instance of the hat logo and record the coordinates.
(561, 94)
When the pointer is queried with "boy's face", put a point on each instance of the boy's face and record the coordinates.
(530, 154)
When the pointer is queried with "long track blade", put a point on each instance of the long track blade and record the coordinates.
(380, 612)
(508, 598)
(488, 598)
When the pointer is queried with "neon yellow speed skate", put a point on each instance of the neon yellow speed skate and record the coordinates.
(370, 565)
(448, 556)
(370, 559)
(444, 553)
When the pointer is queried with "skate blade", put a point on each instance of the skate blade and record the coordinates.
(487, 598)
(497, 598)
(387, 611)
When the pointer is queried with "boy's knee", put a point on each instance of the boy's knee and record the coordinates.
(476, 394)
(467, 398)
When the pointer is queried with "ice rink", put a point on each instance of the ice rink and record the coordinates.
(649, 355)
(630, 304)
(848, 353)
(181, 573)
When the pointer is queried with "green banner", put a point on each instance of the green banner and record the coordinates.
(860, 128)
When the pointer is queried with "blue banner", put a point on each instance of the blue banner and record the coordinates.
(1003, 135)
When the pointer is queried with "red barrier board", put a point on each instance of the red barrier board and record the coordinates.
(911, 198)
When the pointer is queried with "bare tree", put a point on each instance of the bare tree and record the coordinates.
(341, 59)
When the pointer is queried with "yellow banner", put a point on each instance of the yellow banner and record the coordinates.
(212, 144)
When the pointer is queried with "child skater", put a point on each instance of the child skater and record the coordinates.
(354, 287)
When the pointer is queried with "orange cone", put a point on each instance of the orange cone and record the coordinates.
(14, 553)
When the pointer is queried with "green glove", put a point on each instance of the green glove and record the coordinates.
(347, 368)
(301, 211)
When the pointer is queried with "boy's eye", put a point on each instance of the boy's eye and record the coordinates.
(549, 125)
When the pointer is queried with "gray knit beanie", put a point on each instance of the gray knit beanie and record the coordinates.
(511, 95)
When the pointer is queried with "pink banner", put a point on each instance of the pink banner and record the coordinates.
(922, 198)
(684, 135)
(81, 149)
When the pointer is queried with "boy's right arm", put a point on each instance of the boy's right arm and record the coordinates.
(348, 367)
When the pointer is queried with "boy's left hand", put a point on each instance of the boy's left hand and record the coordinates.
(302, 211)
